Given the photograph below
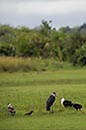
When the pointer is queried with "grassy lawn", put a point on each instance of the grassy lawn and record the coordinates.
(29, 91)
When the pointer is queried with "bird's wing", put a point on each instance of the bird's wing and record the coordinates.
(50, 100)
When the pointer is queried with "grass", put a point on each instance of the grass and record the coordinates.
(29, 91)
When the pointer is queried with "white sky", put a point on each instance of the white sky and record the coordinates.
(31, 12)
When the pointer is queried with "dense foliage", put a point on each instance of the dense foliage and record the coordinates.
(65, 44)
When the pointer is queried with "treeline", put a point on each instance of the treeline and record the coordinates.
(65, 44)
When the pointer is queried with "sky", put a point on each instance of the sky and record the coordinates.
(30, 13)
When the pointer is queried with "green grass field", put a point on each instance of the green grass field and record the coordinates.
(29, 91)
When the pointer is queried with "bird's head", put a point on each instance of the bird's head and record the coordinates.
(54, 94)
(9, 105)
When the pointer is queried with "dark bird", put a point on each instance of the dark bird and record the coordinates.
(50, 101)
(11, 109)
(66, 103)
(29, 113)
(77, 106)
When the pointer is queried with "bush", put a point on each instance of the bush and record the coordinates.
(80, 56)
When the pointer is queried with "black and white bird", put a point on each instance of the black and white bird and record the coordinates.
(29, 113)
(50, 101)
(66, 103)
(11, 109)
(77, 106)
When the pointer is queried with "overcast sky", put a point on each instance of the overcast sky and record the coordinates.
(31, 12)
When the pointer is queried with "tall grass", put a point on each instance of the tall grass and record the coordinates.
(15, 64)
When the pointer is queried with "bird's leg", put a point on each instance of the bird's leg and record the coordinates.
(52, 109)
(81, 109)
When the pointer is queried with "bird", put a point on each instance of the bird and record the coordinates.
(66, 103)
(11, 109)
(50, 101)
(29, 113)
(77, 106)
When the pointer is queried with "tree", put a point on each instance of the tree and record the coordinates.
(45, 27)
